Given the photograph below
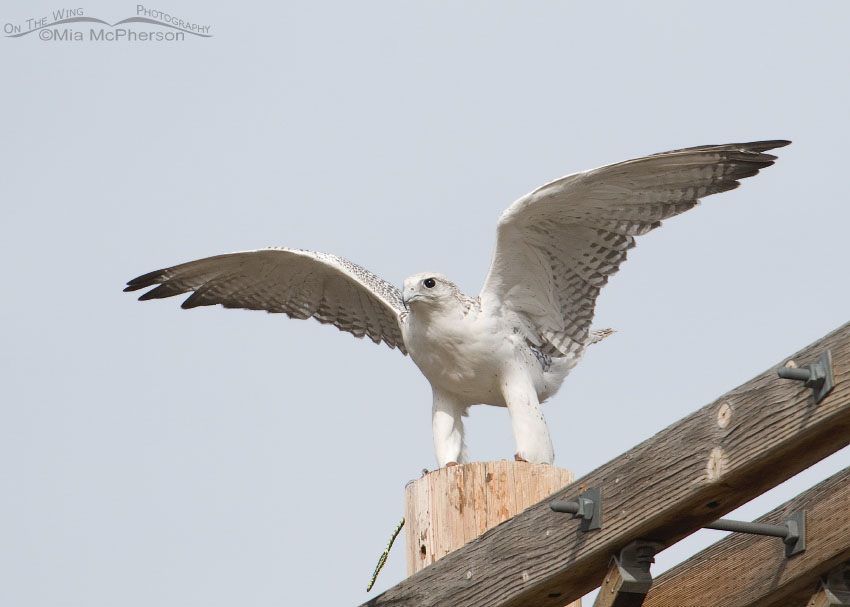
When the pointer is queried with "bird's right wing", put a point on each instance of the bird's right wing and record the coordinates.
(300, 284)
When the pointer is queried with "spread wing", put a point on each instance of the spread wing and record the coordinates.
(557, 246)
(300, 284)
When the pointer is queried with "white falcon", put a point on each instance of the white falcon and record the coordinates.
(514, 344)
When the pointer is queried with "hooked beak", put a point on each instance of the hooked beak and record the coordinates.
(409, 296)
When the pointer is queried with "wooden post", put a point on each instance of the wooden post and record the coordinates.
(448, 507)
(610, 594)
(834, 590)
(629, 578)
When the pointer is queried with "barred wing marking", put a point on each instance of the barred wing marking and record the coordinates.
(557, 246)
(300, 284)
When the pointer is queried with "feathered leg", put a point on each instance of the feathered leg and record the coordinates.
(447, 425)
(530, 432)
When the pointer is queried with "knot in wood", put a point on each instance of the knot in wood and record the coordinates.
(724, 414)
(716, 464)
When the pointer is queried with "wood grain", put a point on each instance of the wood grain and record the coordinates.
(610, 594)
(451, 506)
(665, 488)
(748, 570)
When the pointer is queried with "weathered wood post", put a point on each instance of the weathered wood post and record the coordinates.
(448, 507)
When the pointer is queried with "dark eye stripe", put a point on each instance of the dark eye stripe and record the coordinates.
(429, 283)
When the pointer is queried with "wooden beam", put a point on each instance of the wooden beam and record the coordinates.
(834, 589)
(628, 578)
(743, 570)
(825, 598)
(686, 476)
(611, 593)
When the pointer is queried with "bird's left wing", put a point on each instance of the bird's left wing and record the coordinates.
(557, 246)
(300, 284)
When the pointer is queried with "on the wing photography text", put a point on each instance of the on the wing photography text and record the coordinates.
(74, 25)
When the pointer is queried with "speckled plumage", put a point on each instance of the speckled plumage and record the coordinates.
(512, 346)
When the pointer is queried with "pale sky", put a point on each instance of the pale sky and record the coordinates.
(155, 456)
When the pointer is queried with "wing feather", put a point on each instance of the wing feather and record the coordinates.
(300, 284)
(557, 246)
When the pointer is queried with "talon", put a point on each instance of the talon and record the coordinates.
(518, 458)
(451, 464)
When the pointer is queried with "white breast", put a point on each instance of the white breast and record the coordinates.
(463, 353)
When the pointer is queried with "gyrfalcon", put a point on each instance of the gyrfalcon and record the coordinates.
(514, 344)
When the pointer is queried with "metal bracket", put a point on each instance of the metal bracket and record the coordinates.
(817, 376)
(587, 507)
(793, 532)
(634, 563)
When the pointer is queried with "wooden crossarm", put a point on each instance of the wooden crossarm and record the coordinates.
(743, 570)
(689, 474)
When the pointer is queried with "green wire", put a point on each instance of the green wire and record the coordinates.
(384, 556)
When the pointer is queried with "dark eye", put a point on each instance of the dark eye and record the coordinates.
(429, 283)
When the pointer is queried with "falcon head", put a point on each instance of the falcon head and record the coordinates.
(428, 288)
